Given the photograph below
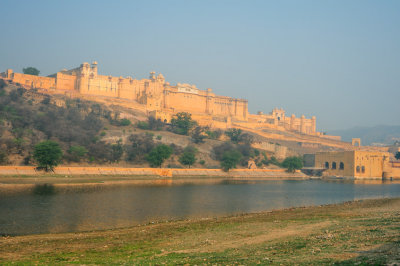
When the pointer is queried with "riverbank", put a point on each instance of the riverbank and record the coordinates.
(362, 231)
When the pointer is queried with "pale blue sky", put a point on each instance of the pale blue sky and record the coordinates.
(338, 60)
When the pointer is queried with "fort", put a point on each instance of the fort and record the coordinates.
(162, 100)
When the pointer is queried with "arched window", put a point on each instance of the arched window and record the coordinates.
(341, 166)
(363, 169)
(334, 165)
(358, 169)
(326, 165)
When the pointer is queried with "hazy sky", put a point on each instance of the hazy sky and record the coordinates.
(338, 60)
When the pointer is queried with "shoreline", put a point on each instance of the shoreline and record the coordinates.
(357, 231)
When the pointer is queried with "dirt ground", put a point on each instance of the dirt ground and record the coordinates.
(352, 233)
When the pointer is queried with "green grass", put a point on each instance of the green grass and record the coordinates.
(361, 233)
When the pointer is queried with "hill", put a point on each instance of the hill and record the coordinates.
(369, 135)
(93, 133)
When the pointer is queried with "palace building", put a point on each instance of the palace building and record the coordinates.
(161, 99)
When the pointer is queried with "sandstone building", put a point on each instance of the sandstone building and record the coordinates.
(162, 100)
(357, 163)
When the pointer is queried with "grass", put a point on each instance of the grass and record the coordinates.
(362, 233)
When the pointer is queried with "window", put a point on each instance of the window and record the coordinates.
(341, 166)
(358, 169)
(326, 165)
(334, 165)
(363, 169)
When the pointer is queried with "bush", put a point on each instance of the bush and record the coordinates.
(202, 162)
(230, 159)
(198, 135)
(140, 146)
(158, 155)
(31, 71)
(182, 123)
(159, 137)
(234, 134)
(3, 157)
(188, 156)
(292, 163)
(124, 122)
(76, 153)
(142, 125)
(47, 154)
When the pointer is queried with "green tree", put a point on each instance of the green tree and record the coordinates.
(198, 135)
(397, 156)
(292, 163)
(117, 151)
(158, 155)
(3, 157)
(234, 134)
(76, 153)
(47, 154)
(182, 123)
(188, 157)
(31, 71)
(230, 159)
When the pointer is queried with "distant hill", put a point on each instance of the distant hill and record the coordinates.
(369, 135)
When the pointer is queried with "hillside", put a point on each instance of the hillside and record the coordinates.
(93, 133)
(369, 135)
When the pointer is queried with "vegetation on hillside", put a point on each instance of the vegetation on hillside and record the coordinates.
(81, 130)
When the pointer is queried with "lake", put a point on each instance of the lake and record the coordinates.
(49, 210)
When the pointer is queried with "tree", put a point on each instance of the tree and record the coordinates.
(31, 71)
(158, 155)
(182, 123)
(198, 135)
(230, 159)
(117, 151)
(397, 156)
(47, 154)
(3, 157)
(234, 134)
(141, 144)
(188, 156)
(292, 163)
(76, 153)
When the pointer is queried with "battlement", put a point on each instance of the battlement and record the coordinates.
(162, 98)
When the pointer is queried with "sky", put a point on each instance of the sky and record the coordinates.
(338, 60)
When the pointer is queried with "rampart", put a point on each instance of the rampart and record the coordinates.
(161, 99)
(145, 172)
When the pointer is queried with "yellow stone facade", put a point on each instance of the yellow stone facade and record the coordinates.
(356, 163)
(162, 100)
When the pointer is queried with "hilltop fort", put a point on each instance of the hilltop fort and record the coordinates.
(161, 99)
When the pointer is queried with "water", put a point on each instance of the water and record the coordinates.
(49, 210)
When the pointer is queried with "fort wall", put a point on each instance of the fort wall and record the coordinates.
(155, 94)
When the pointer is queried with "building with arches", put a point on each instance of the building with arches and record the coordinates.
(356, 163)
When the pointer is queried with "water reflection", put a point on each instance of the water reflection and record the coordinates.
(92, 207)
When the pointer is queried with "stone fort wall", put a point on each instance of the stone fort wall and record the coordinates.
(162, 99)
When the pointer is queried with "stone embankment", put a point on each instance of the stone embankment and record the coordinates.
(155, 172)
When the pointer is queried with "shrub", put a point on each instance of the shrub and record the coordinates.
(182, 123)
(158, 155)
(31, 71)
(76, 153)
(292, 163)
(230, 159)
(47, 154)
(124, 122)
(142, 125)
(188, 156)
